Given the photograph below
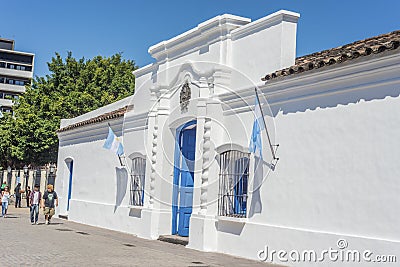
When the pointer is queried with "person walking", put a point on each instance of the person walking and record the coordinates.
(49, 202)
(35, 198)
(28, 195)
(17, 192)
(5, 197)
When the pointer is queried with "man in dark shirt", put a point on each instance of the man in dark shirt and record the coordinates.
(49, 202)
(17, 192)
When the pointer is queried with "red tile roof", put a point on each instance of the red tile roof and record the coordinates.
(106, 116)
(370, 46)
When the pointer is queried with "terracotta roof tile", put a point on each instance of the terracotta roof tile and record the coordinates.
(106, 116)
(374, 45)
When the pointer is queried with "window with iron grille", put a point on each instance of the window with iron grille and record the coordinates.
(137, 181)
(233, 179)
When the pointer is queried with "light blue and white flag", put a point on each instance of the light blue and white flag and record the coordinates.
(258, 126)
(113, 143)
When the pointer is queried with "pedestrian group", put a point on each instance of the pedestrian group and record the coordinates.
(34, 200)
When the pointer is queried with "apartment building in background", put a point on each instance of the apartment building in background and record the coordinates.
(16, 71)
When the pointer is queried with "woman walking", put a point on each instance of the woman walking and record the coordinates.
(5, 196)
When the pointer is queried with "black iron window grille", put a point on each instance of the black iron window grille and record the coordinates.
(233, 180)
(138, 171)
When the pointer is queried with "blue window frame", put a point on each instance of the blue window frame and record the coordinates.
(233, 182)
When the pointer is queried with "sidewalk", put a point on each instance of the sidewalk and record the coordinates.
(65, 243)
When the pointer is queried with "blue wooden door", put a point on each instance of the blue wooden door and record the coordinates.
(71, 167)
(188, 148)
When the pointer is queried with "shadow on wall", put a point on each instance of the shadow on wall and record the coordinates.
(122, 183)
(229, 227)
(137, 213)
(305, 102)
(259, 178)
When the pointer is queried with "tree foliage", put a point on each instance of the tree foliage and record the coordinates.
(72, 88)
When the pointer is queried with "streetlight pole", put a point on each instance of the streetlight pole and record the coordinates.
(51, 179)
(26, 176)
(26, 185)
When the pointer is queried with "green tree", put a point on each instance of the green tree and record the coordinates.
(6, 124)
(72, 88)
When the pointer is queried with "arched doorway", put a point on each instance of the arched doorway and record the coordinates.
(70, 166)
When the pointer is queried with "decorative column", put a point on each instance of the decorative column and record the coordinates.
(43, 176)
(205, 166)
(13, 180)
(30, 179)
(153, 165)
(158, 157)
(155, 216)
(152, 149)
(203, 233)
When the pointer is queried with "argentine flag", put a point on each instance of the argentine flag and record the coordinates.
(258, 126)
(113, 143)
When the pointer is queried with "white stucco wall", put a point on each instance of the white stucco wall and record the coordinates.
(337, 127)
(337, 174)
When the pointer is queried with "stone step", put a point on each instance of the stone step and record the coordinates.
(175, 239)
(65, 217)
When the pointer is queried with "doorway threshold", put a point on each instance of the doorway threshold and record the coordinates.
(65, 217)
(174, 239)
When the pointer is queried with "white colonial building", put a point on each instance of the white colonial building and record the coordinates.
(186, 130)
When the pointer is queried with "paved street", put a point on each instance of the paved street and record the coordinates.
(66, 243)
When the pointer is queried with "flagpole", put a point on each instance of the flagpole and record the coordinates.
(265, 125)
(119, 157)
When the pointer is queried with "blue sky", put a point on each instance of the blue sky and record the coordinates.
(99, 27)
